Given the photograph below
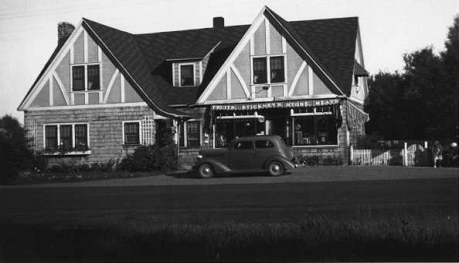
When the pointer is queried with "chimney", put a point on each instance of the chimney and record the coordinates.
(64, 30)
(219, 22)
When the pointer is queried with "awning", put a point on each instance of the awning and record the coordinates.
(356, 117)
(359, 71)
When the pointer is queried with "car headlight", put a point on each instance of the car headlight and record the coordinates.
(199, 157)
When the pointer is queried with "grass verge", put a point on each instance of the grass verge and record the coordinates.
(406, 237)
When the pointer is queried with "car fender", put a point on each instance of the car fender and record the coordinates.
(218, 167)
(286, 163)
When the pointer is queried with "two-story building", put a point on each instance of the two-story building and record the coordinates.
(104, 91)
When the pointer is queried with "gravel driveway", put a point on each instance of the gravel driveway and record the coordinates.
(300, 175)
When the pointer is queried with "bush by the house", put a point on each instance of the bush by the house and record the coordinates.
(315, 160)
(15, 155)
(149, 158)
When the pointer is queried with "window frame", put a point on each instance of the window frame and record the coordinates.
(86, 77)
(180, 74)
(268, 69)
(58, 135)
(183, 136)
(124, 134)
(315, 116)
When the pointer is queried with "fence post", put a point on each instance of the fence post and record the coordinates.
(405, 154)
(351, 154)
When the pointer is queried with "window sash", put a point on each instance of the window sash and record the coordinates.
(277, 69)
(81, 135)
(193, 133)
(131, 133)
(186, 75)
(259, 70)
(93, 77)
(78, 78)
(51, 137)
(66, 136)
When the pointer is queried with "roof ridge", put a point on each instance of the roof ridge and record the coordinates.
(190, 30)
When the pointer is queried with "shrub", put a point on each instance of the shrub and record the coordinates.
(320, 160)
(15, 155)
(143, 159)
(149, 158)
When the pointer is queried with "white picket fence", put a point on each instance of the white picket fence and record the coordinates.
(413, 154)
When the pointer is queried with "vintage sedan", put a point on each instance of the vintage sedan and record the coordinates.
(264, 153)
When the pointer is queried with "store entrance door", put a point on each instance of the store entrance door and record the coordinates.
(280, 126)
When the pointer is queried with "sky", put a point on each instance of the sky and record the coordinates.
(389, 28)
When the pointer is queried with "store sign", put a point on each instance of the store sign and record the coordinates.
(275, 104)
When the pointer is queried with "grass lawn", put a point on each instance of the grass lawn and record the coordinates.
(379, 220)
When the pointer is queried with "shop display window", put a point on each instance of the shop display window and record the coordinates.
(315, 130)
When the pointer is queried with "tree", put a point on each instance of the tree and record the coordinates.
(421, 103)
(15, 155)
(385, 89)
(450, 59)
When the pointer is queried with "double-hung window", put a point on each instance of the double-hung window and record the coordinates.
(187, 75)
(190, 134)
(66, 137)
(131, 132)
(86, 77)
(264, 75)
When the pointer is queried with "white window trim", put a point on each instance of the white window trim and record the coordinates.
(85, 65)
(268, 70)
(180, 74)
(59, 134)
(140, 131)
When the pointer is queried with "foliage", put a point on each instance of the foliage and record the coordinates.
(143, 159)
(315, 238)
(70, 168)
(421, 102)
(150, 158)
(15, 155)
(315, 160)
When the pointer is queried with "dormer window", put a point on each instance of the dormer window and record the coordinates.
(86, 77)
(187, 75)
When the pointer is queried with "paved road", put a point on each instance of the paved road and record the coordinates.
(300, 175)
(241, 198)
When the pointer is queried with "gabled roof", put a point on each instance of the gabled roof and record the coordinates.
(145, 59)
(129, 58)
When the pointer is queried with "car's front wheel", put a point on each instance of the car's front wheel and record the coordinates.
(205, 170)
(275, 168)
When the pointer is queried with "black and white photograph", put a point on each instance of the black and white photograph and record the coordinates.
(229, 131)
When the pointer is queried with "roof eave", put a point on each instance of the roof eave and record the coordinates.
(121, 67)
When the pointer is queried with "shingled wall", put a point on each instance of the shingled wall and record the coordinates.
(105, 130)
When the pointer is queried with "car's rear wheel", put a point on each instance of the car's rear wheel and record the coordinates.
(275, 168)
(205, 170)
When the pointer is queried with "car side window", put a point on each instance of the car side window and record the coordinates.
(243, 145)
(264, 144)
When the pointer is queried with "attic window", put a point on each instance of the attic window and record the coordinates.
(276, 69)
(86, 77)
(187, 75)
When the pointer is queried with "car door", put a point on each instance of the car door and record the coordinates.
(264, 148)
(241, 155)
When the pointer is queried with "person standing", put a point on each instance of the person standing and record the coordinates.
(437, 152)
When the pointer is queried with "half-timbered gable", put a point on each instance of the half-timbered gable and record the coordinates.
(104, 91)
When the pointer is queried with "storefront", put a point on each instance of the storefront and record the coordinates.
(299, 122)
